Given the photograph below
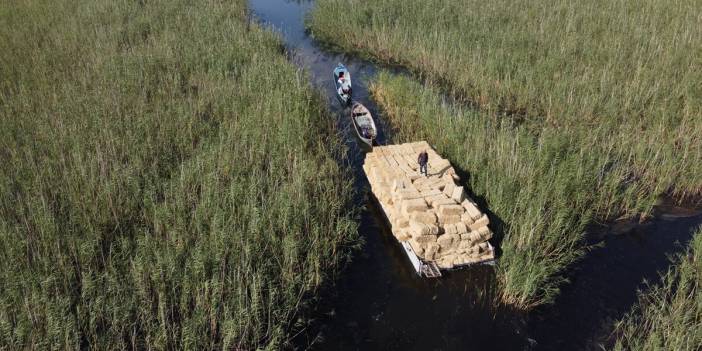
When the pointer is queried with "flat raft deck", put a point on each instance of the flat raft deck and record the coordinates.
(438, 226)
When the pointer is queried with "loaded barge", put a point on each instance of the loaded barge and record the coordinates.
(437, 224)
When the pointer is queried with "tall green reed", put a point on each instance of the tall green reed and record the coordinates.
(668, 315)
(160, 188)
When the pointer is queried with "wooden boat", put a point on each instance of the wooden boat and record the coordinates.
(345, 99)
(363, 123)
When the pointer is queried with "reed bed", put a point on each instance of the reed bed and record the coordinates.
(160, 187)
(668, 315)
(542, 190)
(621, 75)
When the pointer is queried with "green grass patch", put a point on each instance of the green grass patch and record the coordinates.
(159, 187)
(668, 316)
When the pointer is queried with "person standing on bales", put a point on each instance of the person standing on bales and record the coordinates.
(423, 160)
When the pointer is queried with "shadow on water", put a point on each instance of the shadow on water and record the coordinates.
(604, 284)
(378, 302)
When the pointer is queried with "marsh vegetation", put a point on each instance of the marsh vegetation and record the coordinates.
(159, 186)
(668, 315)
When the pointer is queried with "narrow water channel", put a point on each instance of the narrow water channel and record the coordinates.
(379, 303)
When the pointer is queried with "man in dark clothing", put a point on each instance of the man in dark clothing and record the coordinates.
(423, 159)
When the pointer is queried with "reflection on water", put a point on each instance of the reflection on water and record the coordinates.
(379, 303)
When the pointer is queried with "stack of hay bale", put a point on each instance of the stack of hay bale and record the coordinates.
(432, 213)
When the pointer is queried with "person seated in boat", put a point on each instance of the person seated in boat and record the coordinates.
(344, 85)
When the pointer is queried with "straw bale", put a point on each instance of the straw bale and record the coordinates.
(411, 160)
(485, 233)
(448, 189)
(424, 217)
(443, 201)
(458, 194)
(465, 245)
(383, 185)
(474, 237)
(414, 176)
(437, 164)
(466, 219)
(401, 222)
(416, 246)
(418, 228)
(445, 246)
(406, 194)
(445, 240)
(414, 205)
(397, 184)
(420, 145)
(450, 219)
(386, 199)
(459, 260)
(433, 229)
(432, 248)
(444, 264)
(419, 182)
(450, 228)
(455, 238)
(403, 235)
(472, 209)
(433, 155)
(482, 247)
(483, 221)
(430, 199)
(488, 256)
(424, 239)
(461, 228)
(430, 183)
(471, 260)
(403, 164)
(430, 192)
(451, 210)
(407, 169)
(449, 257)
(428, 255)
(385, 164)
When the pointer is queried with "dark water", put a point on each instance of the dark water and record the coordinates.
(604, 284)
(379, 303)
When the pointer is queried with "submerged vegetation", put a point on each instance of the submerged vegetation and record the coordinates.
(668, 316)
(159, 187)
(573, 112)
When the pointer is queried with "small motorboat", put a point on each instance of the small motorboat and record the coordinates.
(363, 123)
(344, 97)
